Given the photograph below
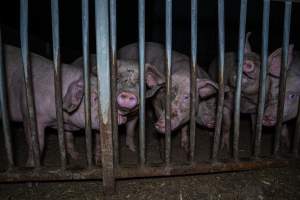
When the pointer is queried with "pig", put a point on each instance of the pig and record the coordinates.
(128, 90)
(180, 99)
(44, 96)
(292, 91)
(249, 87)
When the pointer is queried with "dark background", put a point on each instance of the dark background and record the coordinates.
(127, 28)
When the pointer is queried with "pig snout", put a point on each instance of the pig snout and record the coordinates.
(248, 66)
(269, 120)
(160, 125)
(127, 100)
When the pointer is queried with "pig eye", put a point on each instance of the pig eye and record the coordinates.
(186, 97)
(292, 96)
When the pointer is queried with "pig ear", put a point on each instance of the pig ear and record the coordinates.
(73, 96)
(206, 87)
(247, 48)
(275, 60)
(153, 90)
(152, 76)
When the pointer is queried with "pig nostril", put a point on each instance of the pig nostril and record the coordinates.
(123, 96)
(132, 99)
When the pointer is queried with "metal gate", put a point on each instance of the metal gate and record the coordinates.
(105, 13)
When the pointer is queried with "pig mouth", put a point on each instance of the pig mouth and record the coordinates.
(210, 124)
(122, 119)
(269, 122)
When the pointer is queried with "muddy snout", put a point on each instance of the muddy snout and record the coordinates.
(127, 100)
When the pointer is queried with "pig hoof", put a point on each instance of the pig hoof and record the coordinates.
(131, 146)
(74, 155)
(98, 161)
(29, 163)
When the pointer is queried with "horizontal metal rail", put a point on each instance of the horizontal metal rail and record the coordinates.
(55, 174)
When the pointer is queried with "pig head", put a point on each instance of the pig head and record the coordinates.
(292, 91)
(180, 103)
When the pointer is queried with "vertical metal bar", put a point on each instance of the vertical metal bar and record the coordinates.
(114, 68)
(263, 78)
(103, 72)
(168, 16)
(142, 79)
(221, 36)
(86, 73)
(297, 134)
(194, 20)
(4, 108)
(30, 111)
(237, 103)
(57, 80)
(283, 71)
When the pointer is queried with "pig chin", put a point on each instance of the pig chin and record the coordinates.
(160, 126)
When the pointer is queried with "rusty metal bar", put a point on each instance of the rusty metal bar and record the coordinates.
(221, 35)
(4, 108)
(168, 43)
(87, 88)
(104, 91)
(283, 71)
(132, 172)
(263, 78)
(30, 111)
(142, 81)
(237, 103)
(194, 20)
(114, 67)
(297, 134)
(58, 82)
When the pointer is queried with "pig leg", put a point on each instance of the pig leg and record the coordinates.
(184, 138)
(98, 150)
(29, 162)
(253, 128)
(285, 139)
(130, 131)
(226, 124)
(70, 145)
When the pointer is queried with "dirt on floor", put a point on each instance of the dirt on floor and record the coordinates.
(280, 183)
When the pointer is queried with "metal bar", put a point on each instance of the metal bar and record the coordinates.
(283, 71)
(263, 78)
(295, 1)
(236, 132)
(86, 74)
(4, 109)
(168, 43)
(194, 20)
(142, 81)
(104, 91)
(114, 68)
(132, 172)
(297, 134)
(57, 81)
(221, 36)
(30, 111)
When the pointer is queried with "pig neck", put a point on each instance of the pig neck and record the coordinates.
(75, 119)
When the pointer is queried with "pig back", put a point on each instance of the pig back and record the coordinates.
(43, 83)
(155, 55)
